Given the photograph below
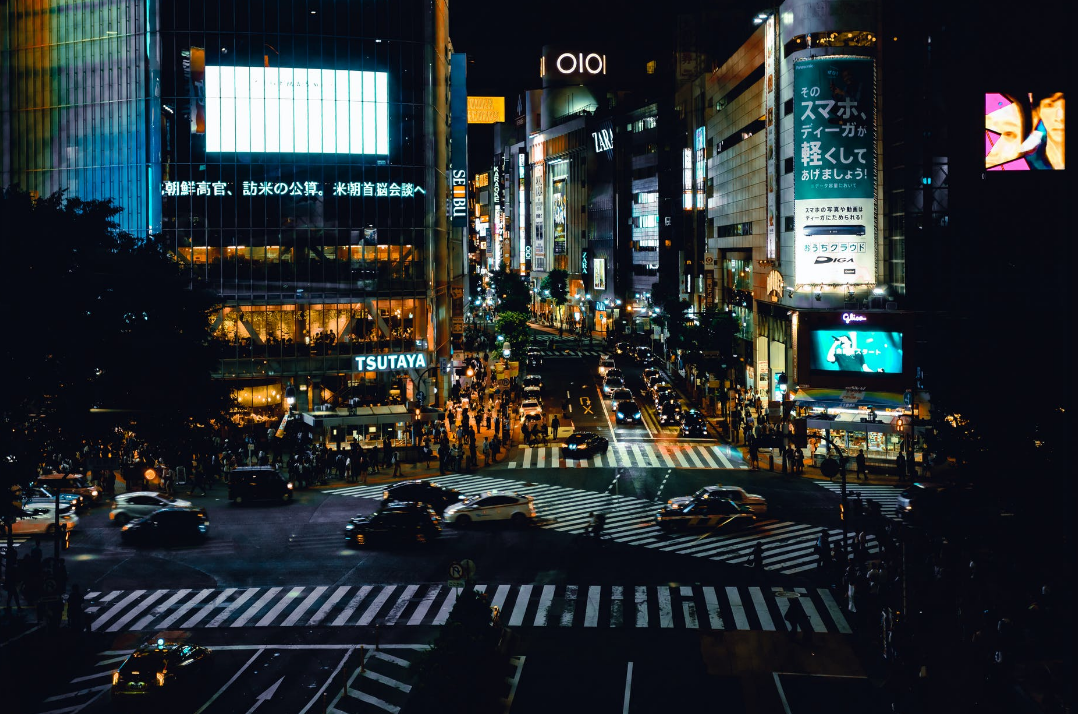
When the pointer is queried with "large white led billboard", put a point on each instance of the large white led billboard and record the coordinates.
(301, 111)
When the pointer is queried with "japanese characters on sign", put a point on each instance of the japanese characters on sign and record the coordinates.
(349, 189)
(834, 171)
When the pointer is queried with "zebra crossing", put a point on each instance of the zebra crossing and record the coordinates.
(705, 607)
(788, 546)
(886, 496)
(570, 352)
(633, 453)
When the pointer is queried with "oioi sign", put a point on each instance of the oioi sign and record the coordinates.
(576, 63)
(391, 362)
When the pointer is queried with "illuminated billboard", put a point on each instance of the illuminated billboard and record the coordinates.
(834, 171)
(1024, 131)
(559, 208)
(291, 110)
(846, 350)
(486, 110)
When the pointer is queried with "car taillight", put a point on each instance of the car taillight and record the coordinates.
(116, 677)
(160, 679)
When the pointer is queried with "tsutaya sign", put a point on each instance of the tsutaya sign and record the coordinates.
(384, 363)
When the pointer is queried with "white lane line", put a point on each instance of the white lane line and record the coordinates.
(569, 609)
(343, 615)
(270, 616)
(447, 606)
(741, 620)
(555, 457)
(146, 602)
(227, 612)
(617, 604)
(424, 605)
(253, 609)
(382, 679)
(760, 604)
(512, 464)
(666, 610)
(722, 457)
(207, 609)
(376, 605)
(714, 615)
(545, 601)
(528, 453)
(228, 684)
(304, 606)
(591, 612)
(398, 607)
(628, 688)
(521, 606)
(111, 612)
(810, 609)
(688, 607)
(499, 597)
(834, 610)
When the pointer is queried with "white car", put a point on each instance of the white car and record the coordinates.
(491, 506)
(738, 495)
(605, 363)
(41, 521)
(530, 406)
(131, 506)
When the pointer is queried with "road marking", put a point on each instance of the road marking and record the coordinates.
(545, 601)
(707, 458)
(424, 605)
(555, 457)
(810, 610)
(542, 459)
(228, 684)
(376, 605)
(591, 612)
(116, 608)
(253, 609)
(689, 452)
(741, 621)
(569, 608)
(398, 607)
(207, 609)
(184, 608)
(332, 678)
(662, 485)
(628, 688)
(447, 606)
(664, 451)
(722, 457)
(528, 452)
(688, 607)
(352, 605)
(304, 606)
(270, 616)
(227, 612)
(321, 613)
(666, 610)
(136, 610)
(616, 605)
(521, 606)
(641, 606)
(761, 609)
(680, 454)
(714, 615)
(834, 610)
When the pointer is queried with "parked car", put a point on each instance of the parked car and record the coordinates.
(583, 444)
(711, 514)
(757, 504)
(161, 670)
(258, 483)
(129, 506)
(70, 483)
(491, 506)
(428, 492)
(396, 522)
(168, 526)
(39, 520)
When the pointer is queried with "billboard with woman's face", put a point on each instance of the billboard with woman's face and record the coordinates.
(1024, 131)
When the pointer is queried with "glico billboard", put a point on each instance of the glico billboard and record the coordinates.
(834, 171)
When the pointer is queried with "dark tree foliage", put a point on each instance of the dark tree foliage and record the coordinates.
(463, 671)
(512, 291)
(106, 332)
(557, 282)
(514, 325)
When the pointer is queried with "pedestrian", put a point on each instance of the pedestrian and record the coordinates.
(473, 454)
(797, 617)
(754, 456)
(486, 450)
(900, 466)
(441, 458)
(11, 579)
(396, 459)
(860, 461)
(823, 550)
(555, 424)
(758, 556)
(76, 617)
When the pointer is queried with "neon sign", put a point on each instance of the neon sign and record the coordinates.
(849, 317)
(383, 363)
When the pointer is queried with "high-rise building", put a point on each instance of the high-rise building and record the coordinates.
(292, 155)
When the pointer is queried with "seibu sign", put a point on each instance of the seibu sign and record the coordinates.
(384, 363)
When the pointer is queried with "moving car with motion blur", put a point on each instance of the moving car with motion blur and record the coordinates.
(38, 494)
(396, 522)
(258, 483)
(583, 444)
(693, 424)
(428, 492)
(491, 506)
(532, 381)
(164, 670)
(40, 519)
(712, 514)
(137, 504)
(70, 483)
(168, 526)
(755, 503)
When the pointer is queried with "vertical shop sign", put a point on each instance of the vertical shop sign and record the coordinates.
(770, 89)
(538, 226)
(458, 108)
(521, 204)
(834, 171)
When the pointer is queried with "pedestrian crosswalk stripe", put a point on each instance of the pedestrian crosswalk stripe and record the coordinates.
(424, 604)
(741, 622)
(311, 598)
(788, 546)
(521, 605)
(395, 613)
(761, 609)
(375, 606)
(545, 600)
(206, 610)
(253, 610)
(447, 607)
(886, 496)
(227, 612)
(632, 453)
(134, 612)
(722, 457)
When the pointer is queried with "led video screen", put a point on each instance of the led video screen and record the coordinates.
(301, 111)
(1024, 131)
(856, 351)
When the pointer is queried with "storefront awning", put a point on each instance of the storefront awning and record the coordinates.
(391, 414)
(820, 397)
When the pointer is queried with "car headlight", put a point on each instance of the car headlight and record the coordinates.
(93, 493)
(636, 416)
(289, 485)
(350, 527)
(572, 447)
(620, 415)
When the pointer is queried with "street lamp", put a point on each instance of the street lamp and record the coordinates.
(290, 397)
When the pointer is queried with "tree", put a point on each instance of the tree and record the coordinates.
(514, 325)
(512, 291)
(118, 336)
(557, 283)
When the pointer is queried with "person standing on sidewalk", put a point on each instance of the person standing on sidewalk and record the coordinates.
(860, 461)
(486, 450)
(754, 456)
(900, 466)
(396, 459)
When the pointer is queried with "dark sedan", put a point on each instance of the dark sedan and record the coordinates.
(168, 526)
(165, 671)
(712, 514)
(394, 523)
(428, 492)
(669, 413)
(583, 444)
(693, 424)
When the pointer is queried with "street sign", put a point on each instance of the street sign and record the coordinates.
(469, 568)
(456, 575)
(829, 468)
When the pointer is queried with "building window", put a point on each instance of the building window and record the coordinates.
(788, 107)
(787, 223)
(788, 165)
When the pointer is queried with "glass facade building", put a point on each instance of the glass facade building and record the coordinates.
(292, 153)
